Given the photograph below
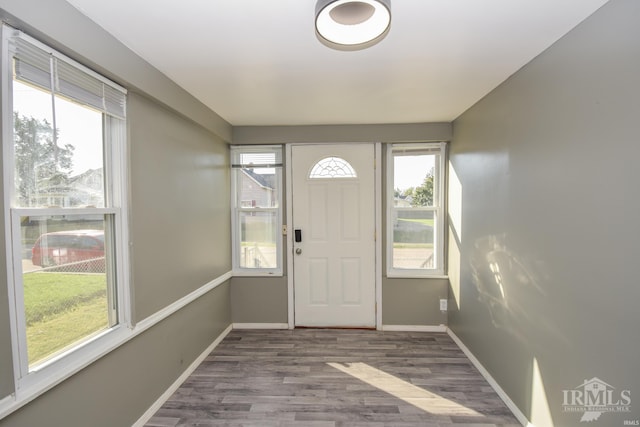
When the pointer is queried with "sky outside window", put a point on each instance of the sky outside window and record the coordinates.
(77, 124)
(410, 171)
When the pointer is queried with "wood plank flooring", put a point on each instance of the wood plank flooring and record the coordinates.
(334, 378)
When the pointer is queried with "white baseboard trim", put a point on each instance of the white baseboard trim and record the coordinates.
(398, 328)
(178, 382)
(415, 328)
(260, 326)
(492, 382)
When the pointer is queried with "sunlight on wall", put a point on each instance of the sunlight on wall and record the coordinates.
(455, 232)
(455, 202)
(540, 414)
(416, 396)
(454, 267)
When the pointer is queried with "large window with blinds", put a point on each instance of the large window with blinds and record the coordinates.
(64, 194)
(256, 203)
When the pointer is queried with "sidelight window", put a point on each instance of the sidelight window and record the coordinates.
(415, 222)
(256, 196)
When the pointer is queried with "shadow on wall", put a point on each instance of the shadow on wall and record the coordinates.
(507, 285)
(504, 285)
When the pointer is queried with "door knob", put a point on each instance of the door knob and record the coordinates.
(298, 251)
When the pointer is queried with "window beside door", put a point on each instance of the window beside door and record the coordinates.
(256, 203)
(415, 222)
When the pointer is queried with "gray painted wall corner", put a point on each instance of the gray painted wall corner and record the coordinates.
(543, 265)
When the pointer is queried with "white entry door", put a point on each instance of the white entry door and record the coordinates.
(334, 235)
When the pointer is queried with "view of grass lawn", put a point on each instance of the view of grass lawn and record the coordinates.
(61, 309)
(424, 221)
(400, 245)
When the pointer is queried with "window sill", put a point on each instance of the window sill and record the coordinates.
(52, 373)
(242, 273)
(412, 275)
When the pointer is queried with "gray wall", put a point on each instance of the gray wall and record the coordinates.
(413, 302)
(180, 216)
(407, 132)
(259, 299)
(546, 227)
(180, 206)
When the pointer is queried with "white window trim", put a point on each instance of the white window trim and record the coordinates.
(30, 384)
(237, 210)
(439, 270)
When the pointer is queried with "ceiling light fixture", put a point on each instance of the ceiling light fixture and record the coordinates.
(352, 24)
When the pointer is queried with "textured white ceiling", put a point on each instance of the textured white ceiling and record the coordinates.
(258, 62)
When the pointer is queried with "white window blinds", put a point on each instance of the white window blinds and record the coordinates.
(268, 156)
(417, 149)
(36, 65)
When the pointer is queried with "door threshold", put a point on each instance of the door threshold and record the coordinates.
(353, 328)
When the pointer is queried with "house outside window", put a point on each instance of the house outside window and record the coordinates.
(415, 215)
(256, 196)
(64, 194)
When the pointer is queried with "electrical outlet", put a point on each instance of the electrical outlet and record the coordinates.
(443, 305)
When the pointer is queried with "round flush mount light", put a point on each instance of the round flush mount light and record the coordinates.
(352, 24)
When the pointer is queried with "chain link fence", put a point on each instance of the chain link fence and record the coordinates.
(92, 265)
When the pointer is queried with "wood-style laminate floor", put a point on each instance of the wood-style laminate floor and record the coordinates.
(327, 378)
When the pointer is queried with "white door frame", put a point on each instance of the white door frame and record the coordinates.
(378, 225)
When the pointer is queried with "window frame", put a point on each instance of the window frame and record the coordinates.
(237, 209)
(32, 381)
(438, 271)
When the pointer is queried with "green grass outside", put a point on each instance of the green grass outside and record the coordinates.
(49, 294)
(424, 221)
(62, 309)
(397, 245)
(50, 336)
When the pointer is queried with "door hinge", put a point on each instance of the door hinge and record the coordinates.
(375, 235)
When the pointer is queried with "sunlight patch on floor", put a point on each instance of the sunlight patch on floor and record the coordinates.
(414, 395)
